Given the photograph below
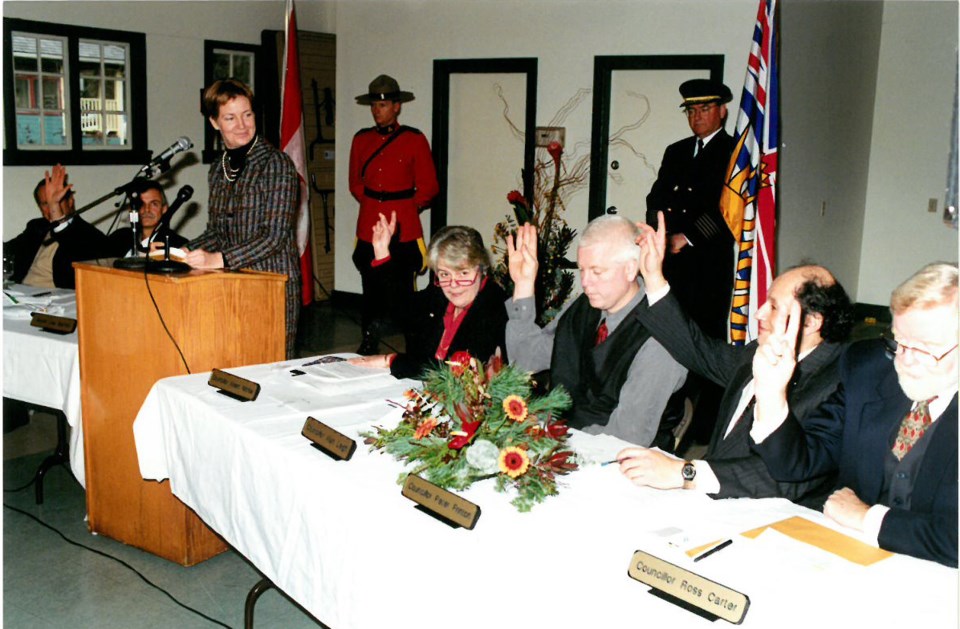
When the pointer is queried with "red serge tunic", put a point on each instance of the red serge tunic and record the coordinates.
(403, 168)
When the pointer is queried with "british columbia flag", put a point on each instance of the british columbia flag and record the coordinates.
(749, 200)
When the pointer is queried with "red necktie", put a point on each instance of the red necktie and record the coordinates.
(912, 428)
(602, 333)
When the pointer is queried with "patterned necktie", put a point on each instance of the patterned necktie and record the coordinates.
(602, 333)
(912, 428)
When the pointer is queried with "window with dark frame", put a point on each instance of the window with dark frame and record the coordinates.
(224, 60)
(73, 95)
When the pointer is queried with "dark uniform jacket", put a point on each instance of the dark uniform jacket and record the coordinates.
(78, 241)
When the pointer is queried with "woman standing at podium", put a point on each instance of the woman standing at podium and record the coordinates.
(253, 200)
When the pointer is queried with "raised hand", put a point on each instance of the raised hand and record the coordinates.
(383, 231)
(56, 189)
(653, 246)
(522, 258)
(773, 365)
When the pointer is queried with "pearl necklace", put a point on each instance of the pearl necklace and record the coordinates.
(230, 173)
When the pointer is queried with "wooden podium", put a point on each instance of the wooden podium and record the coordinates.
(219, 319)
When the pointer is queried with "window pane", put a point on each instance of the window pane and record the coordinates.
(50, 65)
(51, 53)
(89, 69)
(51, 93)
(221, 65)
(89, 91)
(117, 134)
(241, 68)
(25, 89)
(25, 64)
(91, 126)
(28, 129)
(114, 60)
(24, 53)
(89, 51)
(53, 130)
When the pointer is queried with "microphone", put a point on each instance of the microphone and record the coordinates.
(183, 195)
(183, 143)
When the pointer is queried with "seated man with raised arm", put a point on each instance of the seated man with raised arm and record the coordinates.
(622, 382)
(890, 428)
(730, 469)
(45, 251)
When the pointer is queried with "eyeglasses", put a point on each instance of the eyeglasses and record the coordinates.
(446, 283)
(893, 347)
(693, 110)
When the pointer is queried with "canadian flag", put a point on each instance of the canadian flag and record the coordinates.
(292, 143)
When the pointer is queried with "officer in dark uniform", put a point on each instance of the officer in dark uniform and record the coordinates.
(700, 261)
(700, 247)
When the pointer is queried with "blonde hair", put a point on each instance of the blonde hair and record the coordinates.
(617, 233)
(933, 285)
(459, 246)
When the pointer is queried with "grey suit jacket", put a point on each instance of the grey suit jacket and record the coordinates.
(741, 472)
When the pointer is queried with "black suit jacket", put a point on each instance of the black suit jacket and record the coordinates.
(78, 241)
(741, 472)
(481, 332)
(852, 432)
(687, 190)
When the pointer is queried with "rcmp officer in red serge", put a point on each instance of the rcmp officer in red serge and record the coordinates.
(391, 170)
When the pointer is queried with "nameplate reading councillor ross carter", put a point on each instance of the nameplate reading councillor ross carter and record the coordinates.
(688, 589)
(440, 502)
(52, 323)
(328, 440)
(234, 386)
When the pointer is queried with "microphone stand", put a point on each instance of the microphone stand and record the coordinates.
(167, 265)
(136, 261)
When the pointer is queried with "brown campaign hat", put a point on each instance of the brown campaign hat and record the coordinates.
(384, 88)
(699, 91)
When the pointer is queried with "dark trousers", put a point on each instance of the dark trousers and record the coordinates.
(406, 260)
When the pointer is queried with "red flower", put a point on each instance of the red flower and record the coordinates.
(514, 196)
(556, 150)
(557, 429)
(462, 437)
(459, 362)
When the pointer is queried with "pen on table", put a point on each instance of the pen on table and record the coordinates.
(610, 462)
(12, 298)
(42, 294)
(715, 549)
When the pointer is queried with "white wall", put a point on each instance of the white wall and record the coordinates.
(403, 38)
(908, 156)
(175, 32)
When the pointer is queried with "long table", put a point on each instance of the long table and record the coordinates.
(40, 367)
(338, 537)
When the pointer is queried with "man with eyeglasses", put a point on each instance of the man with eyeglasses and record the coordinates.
(622, 381)
(890, 428)
(699, 264)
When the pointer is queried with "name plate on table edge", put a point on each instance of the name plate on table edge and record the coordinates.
(53, 323)
(446, 505)
(688, 589)
(327, 440)
(234, 386)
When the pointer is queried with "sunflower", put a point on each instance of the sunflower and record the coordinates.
(515, 408)
(513, 461)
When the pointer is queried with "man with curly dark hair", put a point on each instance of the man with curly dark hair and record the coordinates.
(730, 469)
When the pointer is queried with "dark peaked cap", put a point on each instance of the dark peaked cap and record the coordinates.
(699, 91)
(384, 88)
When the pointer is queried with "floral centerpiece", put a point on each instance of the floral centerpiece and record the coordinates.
(473, 422)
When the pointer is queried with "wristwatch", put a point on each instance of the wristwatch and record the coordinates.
(688, 472)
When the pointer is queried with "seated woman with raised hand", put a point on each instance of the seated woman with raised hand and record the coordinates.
(463, 310)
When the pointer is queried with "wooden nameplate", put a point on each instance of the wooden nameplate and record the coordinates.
(446, 506)
(234, 386)
(687, 589)
(327, 440)
(53, 323)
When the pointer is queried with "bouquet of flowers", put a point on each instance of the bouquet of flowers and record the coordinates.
(554, 278)
(472, 422)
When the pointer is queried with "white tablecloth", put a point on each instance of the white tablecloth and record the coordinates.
(340, 539)
(41, 367)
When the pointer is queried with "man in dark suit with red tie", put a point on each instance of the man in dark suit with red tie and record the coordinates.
(890, 428)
